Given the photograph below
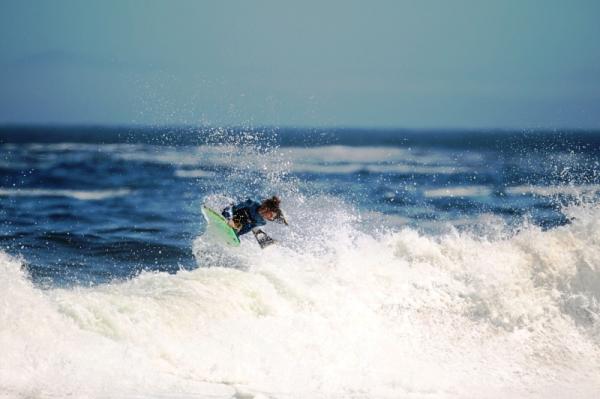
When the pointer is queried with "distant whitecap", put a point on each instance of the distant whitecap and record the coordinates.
(77, 194)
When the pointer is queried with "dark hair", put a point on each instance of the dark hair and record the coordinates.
(271, 204)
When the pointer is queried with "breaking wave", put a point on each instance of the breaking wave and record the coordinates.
(331, 312)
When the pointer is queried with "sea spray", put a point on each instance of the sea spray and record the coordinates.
(398, 313)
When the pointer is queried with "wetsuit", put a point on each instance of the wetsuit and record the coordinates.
(245, 214)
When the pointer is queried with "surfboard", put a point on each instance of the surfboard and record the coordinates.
(218, 226)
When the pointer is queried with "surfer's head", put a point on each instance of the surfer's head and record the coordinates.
(269, 209)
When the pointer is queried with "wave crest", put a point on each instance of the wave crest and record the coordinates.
(385, 314)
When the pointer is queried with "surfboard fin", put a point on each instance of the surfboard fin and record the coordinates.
(263, 239)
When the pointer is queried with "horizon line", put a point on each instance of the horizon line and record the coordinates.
(184, 126)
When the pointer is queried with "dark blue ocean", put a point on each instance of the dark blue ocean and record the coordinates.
(449, 247)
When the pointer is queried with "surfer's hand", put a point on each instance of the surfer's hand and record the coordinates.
(234, 225)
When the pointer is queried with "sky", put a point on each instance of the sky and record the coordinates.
(390, 64)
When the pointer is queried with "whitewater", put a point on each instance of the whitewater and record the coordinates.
(368, 315)
(110, 286)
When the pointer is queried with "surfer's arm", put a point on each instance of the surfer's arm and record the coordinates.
(228, 212)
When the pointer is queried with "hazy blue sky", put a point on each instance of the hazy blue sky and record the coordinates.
(510, 64)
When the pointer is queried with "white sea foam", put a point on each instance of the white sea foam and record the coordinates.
(91, 195)
(462, 191)
(340, 153)
(194, 173)
(327, 313)
(374, 154)
(419, 169)
(550, 191)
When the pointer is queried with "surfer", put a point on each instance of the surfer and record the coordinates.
(249, 215)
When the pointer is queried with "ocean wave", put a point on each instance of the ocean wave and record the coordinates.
(191, 161)
(462, 191)
(387, 314)
(397, 168)
(325, 159)
(13, 165)
(92, 195)
(220, 155)
(373, 154)
(348, 160)
(195, 173)
(550, 191)
(419, 169)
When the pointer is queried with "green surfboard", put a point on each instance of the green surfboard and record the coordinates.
(218, 226)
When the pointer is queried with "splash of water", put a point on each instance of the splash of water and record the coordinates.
(328, 312)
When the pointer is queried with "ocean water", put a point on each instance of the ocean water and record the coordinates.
(416, 264)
